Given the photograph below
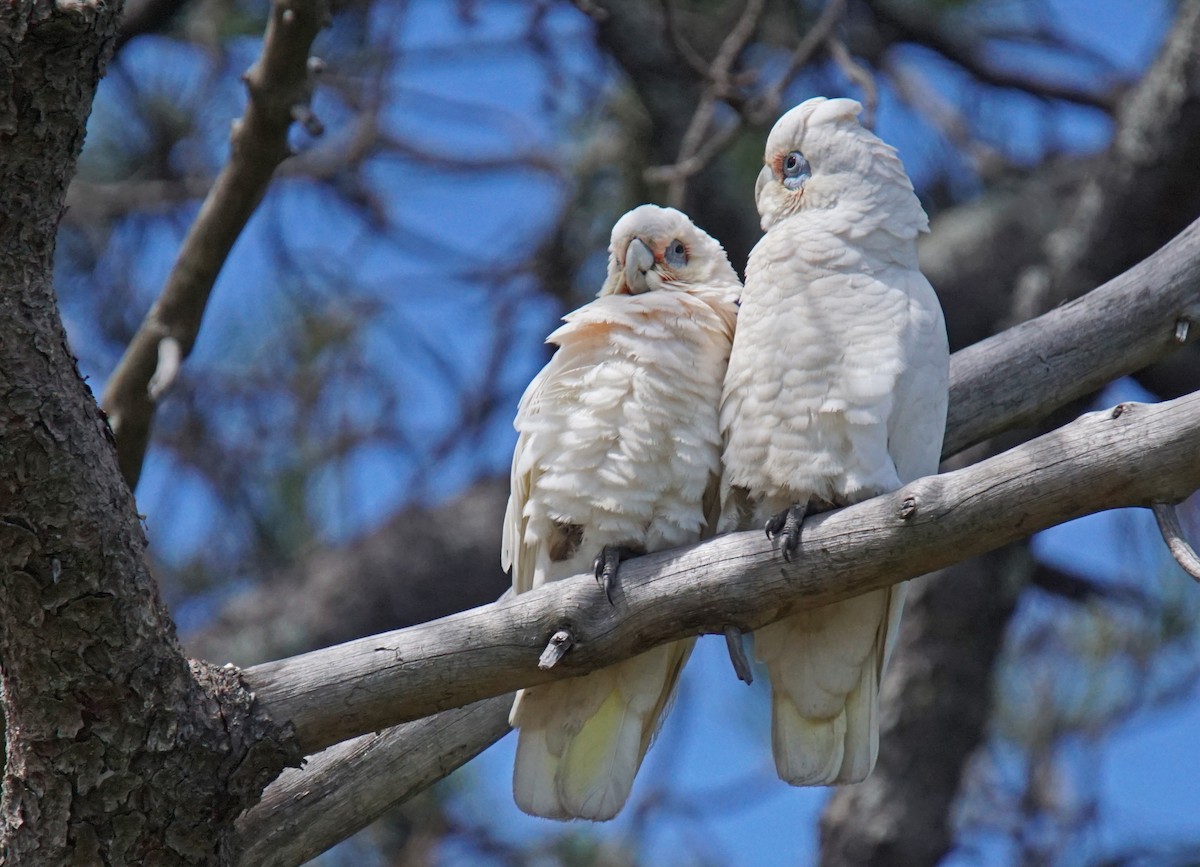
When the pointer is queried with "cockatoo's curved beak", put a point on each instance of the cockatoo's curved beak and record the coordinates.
(764, 178)
(638, 261)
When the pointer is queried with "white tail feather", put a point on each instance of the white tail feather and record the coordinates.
(581, 741)
(825, 668)
(533, 775)
(808, 752)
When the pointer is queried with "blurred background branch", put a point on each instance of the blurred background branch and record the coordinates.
(280, 92)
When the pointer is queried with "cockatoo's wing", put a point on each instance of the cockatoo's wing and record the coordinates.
(803, 413)
(918, 420)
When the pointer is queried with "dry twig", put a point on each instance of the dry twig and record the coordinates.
(701, 144)
(280, 88)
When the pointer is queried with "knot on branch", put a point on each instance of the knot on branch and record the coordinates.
(918, 498)
(249, 747)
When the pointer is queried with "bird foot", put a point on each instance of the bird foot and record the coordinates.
(608, 563)
(786, 527)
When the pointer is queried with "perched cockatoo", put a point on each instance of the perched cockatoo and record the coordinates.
(836, 392)
(619, 453)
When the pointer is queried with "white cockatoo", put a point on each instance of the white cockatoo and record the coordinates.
(619, 453)
(836, 392)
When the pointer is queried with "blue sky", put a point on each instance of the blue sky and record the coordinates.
(466, 91)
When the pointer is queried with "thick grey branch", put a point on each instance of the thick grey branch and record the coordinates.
(278, 83)
(346, 787)
(1134, 455)
(1021, 374)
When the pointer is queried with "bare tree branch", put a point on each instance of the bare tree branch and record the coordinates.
(1133, 455)
(686, 51)
(1177, 543)
(279, 85)
(346, 787)
(1075, 349)
(700, 145)
(720, 86)
(860, 75)
(766, 106)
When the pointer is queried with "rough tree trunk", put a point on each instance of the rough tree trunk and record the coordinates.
(118, 751)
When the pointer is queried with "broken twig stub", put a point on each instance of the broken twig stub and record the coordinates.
(556, 649)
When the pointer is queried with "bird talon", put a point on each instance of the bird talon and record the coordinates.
(605, 569)
(774, 525)
(787, 525)
(608, 563)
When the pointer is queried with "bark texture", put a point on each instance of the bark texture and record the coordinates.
(118, 751)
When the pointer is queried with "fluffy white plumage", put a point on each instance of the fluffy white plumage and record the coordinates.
(619, 445)
(836, 391)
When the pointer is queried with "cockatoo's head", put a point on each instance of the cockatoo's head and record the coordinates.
(818, 156)
(656, 248)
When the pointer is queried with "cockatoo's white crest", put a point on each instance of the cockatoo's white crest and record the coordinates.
(619, 445)
(851, 171)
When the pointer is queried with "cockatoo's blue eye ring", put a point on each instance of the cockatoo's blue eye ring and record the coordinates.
(795, 170)
(676, 254)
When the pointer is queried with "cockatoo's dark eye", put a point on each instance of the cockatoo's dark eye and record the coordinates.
(676, 254)
(795, 170)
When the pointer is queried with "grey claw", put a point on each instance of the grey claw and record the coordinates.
(787, 525)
